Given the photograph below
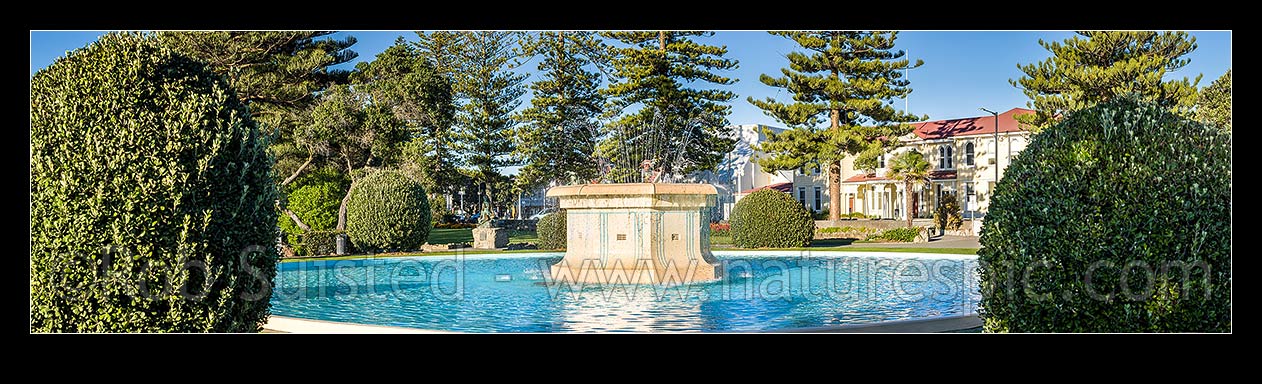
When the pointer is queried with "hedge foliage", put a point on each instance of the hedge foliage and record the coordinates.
(771, 219)
(314, 243)
(552, 231)
(152, 196)
(1117, 219)
(316, 201)
(901, 235)
(387, 211)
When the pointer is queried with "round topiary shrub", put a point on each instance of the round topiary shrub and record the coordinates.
(387, 211)
(771, 219)
(152, 197)
(1117, 219)
(552, 231)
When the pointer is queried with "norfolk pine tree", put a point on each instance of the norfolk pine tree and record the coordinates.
(480, 64)
(276, 73)
(1214, 106)
(850, 77)
(1096, 67)
(558, 139)
(652, 72)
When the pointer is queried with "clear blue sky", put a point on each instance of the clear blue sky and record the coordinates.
(962, 71)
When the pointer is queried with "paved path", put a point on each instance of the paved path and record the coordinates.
(281, 324)
(946, 241)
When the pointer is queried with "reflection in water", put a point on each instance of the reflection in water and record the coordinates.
(509, 295)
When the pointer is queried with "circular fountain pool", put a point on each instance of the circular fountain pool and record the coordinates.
(759, 291)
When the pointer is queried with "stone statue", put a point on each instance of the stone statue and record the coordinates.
(486, 236)
(485, 219)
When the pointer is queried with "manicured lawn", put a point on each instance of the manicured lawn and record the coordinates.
(721, 241)
(465, 235)
(450, 236)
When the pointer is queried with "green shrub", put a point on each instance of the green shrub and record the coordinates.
(1116, 219)
(152, 196)
(846, 232)
(552, 231)
(901, 234)
(316, 243)
(948, 214)
(316, 205)
(769, 218)
(387, 211)
(856, 215)
(821, 215)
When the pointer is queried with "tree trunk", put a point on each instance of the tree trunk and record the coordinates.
(341, 211)
(834, 176)
(907, 197)
(661, 40)
(296, 220)
(299, 171)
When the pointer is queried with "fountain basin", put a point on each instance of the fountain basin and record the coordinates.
(636, 233)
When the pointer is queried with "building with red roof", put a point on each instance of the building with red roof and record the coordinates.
(961, 152)
(963, 157)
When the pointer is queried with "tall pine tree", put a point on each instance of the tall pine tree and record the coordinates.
(558, 139)
(847, 79)
(1214, 105)
(655, 72)
(401, 80)
(481, 65)
(1095, 67)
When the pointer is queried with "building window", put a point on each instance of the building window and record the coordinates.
(945, 157)
(880, 161)
(968, 154)
(817, 198)
(802, 195)
(815, 171)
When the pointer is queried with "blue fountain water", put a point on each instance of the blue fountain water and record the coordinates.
(507, 293)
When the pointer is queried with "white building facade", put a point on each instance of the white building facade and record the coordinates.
(963, 153)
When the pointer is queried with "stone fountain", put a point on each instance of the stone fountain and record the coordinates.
(636, 233)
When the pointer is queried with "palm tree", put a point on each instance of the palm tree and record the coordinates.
(912, 168)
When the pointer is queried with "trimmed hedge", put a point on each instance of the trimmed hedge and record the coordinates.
(552, 231)
(1117, 219)
(387, 211)
(316, 203)
(152, 196)
(316, 243)
(771, 219)
(845, 232)
(901, 235)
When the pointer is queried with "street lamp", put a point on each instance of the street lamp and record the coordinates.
(461, 200)
(996, 114)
